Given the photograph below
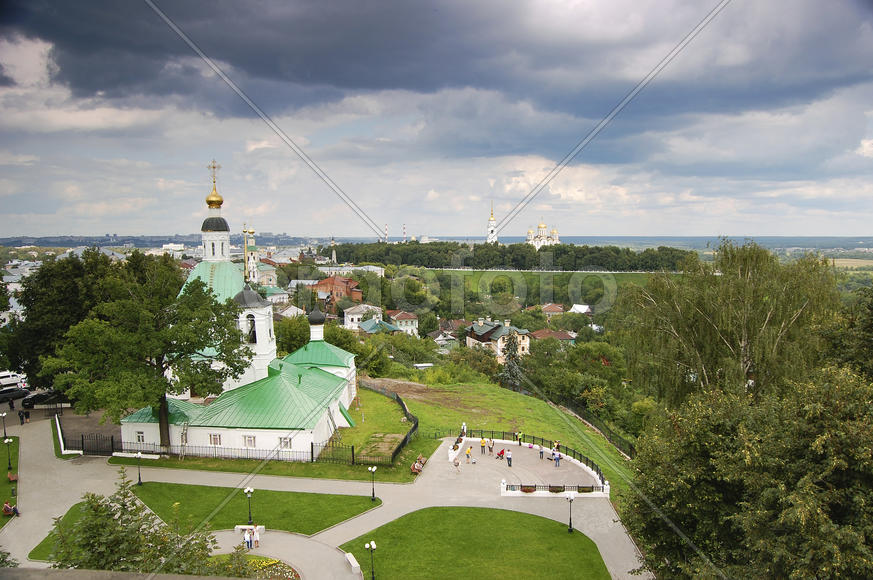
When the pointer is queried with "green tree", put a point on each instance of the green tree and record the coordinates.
(147, 341)
(744, 322)
(852, 337)
(427, 323)
(291, 334)
(57, 296)
(119, 533)
(510, 376)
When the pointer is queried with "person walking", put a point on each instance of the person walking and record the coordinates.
(468, 452)
(21, 417)
(256, 536)
(247, 538)
(520, 437)
(457, 465)
(491, 447)
(557, 460)
(540, 449)
(508, 458)
(482, 446)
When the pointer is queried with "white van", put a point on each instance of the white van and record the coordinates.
(9, 379)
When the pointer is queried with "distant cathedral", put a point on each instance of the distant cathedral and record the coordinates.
(542, 238)
(492, 227)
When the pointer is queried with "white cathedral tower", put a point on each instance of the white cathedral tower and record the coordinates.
(492, 227)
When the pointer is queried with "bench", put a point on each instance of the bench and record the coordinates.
(353, 562)
(12, 476)
(7, 512)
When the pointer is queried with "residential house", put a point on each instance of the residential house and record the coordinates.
(374, 326)
(485, 333)
(337, 287)
(353, 316)
(561, 335)
(406, 321)
(581, 309)
(291, 311)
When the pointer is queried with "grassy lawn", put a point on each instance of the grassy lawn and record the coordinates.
(43, 550)
(11, 455)
(224, 507)
(376, 415)
(485, 406)
(446, 542)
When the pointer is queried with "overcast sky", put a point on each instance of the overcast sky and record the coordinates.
(424, 113)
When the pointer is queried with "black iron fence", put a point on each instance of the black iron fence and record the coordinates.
(532, 440)
(218, 452)
(617, 440)
(92, 443)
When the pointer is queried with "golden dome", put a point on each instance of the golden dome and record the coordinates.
(554, 230)
(542, 226)
(213, 200)
(530, 231)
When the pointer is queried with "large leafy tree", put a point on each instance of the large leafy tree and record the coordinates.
(149, 340)
(743, 322)
(58, 295)
(768, 486)
(852, 340)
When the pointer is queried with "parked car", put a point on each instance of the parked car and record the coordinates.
(11, 393)
(10, 379)
(48, 397)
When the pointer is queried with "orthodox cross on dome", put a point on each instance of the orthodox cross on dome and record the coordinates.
(213, 168)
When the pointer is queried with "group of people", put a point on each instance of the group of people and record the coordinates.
(23, 414)
(252, 537)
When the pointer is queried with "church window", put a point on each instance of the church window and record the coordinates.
(284, 443)
(253, 335)
(222, 248)
(215, 438)
(248, 441)
(140, 437)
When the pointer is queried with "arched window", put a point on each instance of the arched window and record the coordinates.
(222, 249)
(213, 248)
(253, 336)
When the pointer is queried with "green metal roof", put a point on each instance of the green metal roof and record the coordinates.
(318, 353)
(181, 412)
(294, 398)
(272, 290)
(224, 278)
(372, 326)
(345, 413)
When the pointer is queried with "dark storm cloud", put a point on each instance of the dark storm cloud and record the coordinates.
(292, 54)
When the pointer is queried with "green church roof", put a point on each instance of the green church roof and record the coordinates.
(224, 278)
(181, 412)
(294, 398)
(319, 353)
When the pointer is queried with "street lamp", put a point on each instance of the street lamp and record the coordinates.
(7, 441)
(3, 414)
(372, 547)
(372, 470)
(248, 491)
(138, 471)
(571, 495)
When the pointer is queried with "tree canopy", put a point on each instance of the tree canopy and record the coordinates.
(148, 340)
(744, 322)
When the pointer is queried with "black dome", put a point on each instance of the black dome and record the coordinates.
(215, 224)
(316, 316)
(248, 298)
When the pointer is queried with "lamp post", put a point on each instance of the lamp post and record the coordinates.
(7, 441)
(372, 470)
(3, 414)
(138, 471)
(371, 546)
(248, 491)
(571, 495)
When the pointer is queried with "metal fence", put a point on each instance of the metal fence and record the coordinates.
(533, 440)
(617, 440)
(217, 452)
(530, 488)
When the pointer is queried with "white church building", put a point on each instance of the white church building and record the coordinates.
(279, 408)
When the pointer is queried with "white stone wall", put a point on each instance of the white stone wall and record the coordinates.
(220, 242)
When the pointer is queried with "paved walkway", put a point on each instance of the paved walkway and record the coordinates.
(51, 486)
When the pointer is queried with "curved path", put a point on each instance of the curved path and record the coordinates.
(52, 486)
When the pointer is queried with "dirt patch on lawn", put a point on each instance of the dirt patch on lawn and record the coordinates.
(410, 391)
(382, 444)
